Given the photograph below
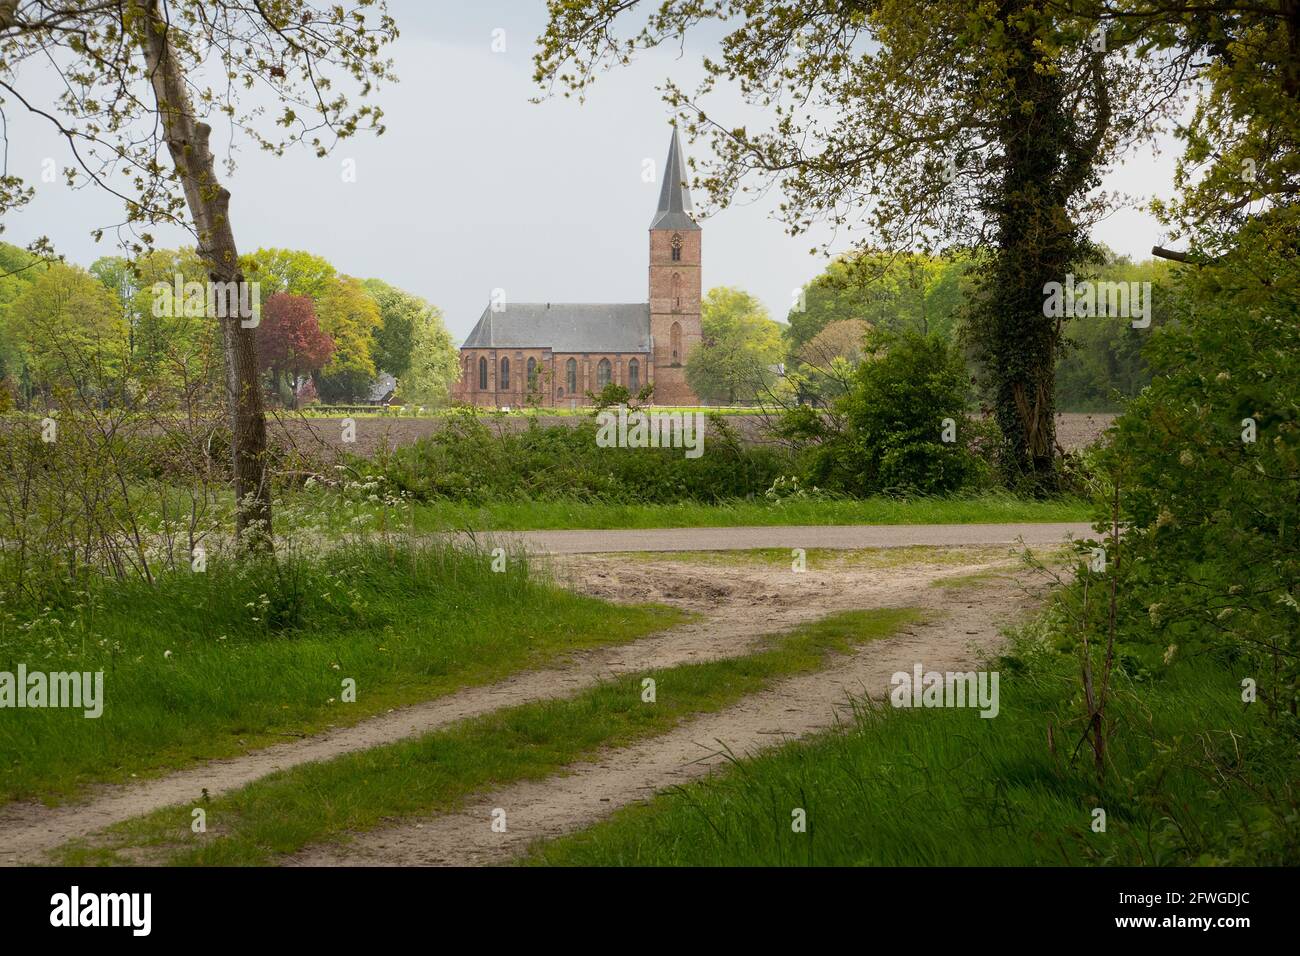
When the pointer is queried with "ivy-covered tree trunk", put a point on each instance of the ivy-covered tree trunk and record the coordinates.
(209, 205)
(1036, 242)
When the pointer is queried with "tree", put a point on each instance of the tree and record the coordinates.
(738, 349)
(349, 316)
(435, 360)
(1243, 139)
(899, 291)
(828, 297)
(292, 271)
(901, 428)
(71, 332)
(18, 270)
(290, 341)
(131, 72)
(166, 344)
(399, 314)
(1103, 361)
(827, 363)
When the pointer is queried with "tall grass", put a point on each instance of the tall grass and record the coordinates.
(1198, 779)
(203, 665)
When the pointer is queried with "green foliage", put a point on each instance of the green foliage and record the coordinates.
(70, 331)
(906, 292)
(435, 361)
(739, 346)
(471, 461)
(1209, 551)
(176, 348)
(350, 317)
(615, 395)
(399, 315)
(290, 270)
(611, 396)
(1243, 137)
(1103, 364)
(203, 666)
(18, 270)
(887, 434)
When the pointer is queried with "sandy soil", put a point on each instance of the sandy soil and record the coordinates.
(739, 601)
(853, 537)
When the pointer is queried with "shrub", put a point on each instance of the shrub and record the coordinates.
(887, 435)
(470, 460)
(1210, 517)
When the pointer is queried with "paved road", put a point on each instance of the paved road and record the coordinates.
(791, 536)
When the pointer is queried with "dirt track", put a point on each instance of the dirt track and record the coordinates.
(852, 537)
(740, 601)
(966, 633)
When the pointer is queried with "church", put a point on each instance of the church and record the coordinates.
(552, 354)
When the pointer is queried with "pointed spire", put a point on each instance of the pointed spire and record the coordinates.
(675, 196)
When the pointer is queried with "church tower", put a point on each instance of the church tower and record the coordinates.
(674, 284)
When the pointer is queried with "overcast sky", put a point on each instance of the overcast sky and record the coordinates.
(474, 188)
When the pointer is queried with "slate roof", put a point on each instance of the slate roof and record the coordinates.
(675, 196)
(564, 327)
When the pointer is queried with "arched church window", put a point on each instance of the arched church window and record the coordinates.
(532, 373)
(571, 375)
(675, 337)
(505, 374)
(677, 290)
(603, 370)
(633, 375)
(677, 247)
(482, 373)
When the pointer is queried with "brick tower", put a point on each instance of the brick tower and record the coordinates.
(674, 284)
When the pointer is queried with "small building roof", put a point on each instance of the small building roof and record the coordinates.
(381, 388)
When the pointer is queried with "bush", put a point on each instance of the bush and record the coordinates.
(1195, 493)
(1210, 517)
(471, 461)
(887, 435)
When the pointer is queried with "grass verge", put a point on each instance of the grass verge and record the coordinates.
(527, 515)
(435, 773)
(201, 666)
(1196, 779)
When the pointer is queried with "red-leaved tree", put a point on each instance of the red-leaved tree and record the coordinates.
(290, 341)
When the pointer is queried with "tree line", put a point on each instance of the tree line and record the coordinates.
(106, 329)
(748, 357)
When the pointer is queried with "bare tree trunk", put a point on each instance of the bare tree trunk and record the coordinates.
(209, 204)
